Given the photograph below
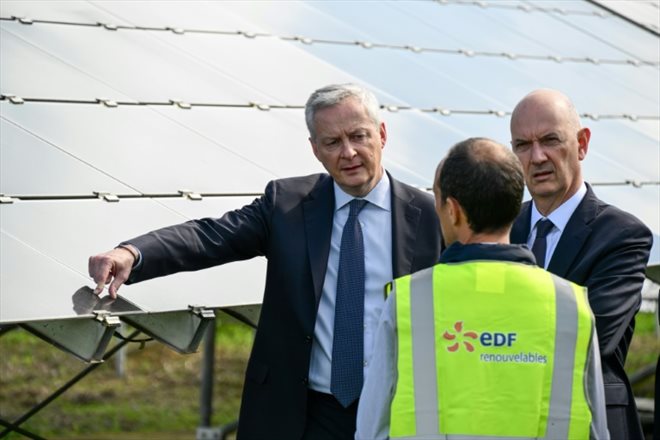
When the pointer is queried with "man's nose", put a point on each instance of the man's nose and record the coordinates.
(347, 149)
(538, 153)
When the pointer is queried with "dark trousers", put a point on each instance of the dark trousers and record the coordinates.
(327, 419)
(623, 422)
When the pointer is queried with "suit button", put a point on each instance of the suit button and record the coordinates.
(305, 381)
(308, 338)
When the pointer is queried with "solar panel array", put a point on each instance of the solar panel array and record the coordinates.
(121, 117)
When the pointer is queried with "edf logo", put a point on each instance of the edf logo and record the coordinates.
(497, 339)
(487, 339)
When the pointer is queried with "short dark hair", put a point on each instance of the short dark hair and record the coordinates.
(486, 179)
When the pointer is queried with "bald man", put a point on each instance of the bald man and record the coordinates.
(588, 241)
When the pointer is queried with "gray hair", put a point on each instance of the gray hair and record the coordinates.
(336, 93)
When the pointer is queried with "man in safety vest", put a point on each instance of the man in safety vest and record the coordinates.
(485, 344)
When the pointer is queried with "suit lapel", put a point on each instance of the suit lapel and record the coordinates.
(405, 219)
(318, 210)
(574, 236)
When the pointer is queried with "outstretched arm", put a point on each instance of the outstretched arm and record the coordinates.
(197, 244)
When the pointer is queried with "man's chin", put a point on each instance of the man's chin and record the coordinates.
(353, 179)
(541, 191)
(355, 187)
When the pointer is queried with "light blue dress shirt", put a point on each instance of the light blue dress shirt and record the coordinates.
(376, 222)
(559, 218)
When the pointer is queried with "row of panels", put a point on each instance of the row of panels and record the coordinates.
(92, 62)
(202, 68)
(423, 23)
(43, 266)
(143, 150)
(164, 149)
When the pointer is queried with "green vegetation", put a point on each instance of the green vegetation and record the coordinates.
(159, 396)
(644, 351)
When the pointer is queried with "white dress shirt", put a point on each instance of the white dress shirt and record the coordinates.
(559, 218)
(376, 222)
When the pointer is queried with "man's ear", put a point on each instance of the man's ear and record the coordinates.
(584, 135)
(383, 135)
(455, 211)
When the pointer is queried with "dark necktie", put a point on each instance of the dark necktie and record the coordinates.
(348, 339)
(543, 228)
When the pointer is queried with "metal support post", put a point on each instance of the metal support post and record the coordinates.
(208, 365)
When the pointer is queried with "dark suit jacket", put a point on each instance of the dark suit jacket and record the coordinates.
(606, 250)
(291, 225)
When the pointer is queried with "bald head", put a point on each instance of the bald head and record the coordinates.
(547, 100)
(550, 142)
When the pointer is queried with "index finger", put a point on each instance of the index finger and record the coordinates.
(99, 287)
(99, 269)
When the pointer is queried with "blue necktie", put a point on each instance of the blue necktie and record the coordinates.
(348, 341)
(543, 228)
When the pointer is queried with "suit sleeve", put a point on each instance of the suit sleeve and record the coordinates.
(595, 391)
(197, 244)
(615, 281)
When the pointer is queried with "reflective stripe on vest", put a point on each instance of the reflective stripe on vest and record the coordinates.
(497, 350)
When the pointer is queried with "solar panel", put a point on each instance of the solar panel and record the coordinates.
(142, 100)
(30, 244)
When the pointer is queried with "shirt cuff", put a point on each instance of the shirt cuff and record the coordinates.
(132, 249)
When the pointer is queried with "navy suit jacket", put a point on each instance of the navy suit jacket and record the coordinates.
(606, 250)
(290, 225)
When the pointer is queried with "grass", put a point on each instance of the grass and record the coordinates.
(158, 399)
(644, 350)
(159, 393)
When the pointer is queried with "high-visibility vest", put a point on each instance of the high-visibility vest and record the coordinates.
(491, 349)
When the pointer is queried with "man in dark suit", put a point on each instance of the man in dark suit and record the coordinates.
(291, 390)
(581, 238)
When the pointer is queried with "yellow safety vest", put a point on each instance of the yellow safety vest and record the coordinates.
(489, 348)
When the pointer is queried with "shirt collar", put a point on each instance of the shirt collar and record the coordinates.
(563, 213)
(378, 196)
